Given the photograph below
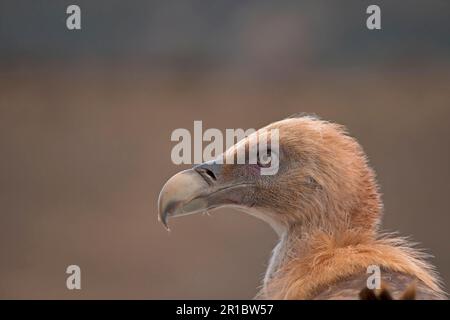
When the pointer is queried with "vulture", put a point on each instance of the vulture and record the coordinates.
(325, 206)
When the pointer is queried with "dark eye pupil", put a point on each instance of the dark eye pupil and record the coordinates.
(264, 159)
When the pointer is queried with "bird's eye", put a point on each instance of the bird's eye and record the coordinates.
(265, 158)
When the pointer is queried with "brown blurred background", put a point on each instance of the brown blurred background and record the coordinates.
(86, 118)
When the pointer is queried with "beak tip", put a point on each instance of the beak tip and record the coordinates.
(166, 225)
(163, 215)
(163, 219)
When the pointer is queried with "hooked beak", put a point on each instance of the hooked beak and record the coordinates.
(197, 190)
(181, 195)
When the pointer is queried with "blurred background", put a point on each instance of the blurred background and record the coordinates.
(86, 118)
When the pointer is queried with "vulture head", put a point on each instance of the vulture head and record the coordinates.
(322, 181)
(323, 202)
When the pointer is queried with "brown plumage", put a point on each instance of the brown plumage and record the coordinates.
(325, 206)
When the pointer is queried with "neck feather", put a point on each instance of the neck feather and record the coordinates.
(305, 263)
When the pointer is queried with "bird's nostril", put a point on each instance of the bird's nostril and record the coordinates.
(210, 174)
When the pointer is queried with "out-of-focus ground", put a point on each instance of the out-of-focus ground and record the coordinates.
(86, 119)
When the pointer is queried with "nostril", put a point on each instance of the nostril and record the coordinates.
(210, 174)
